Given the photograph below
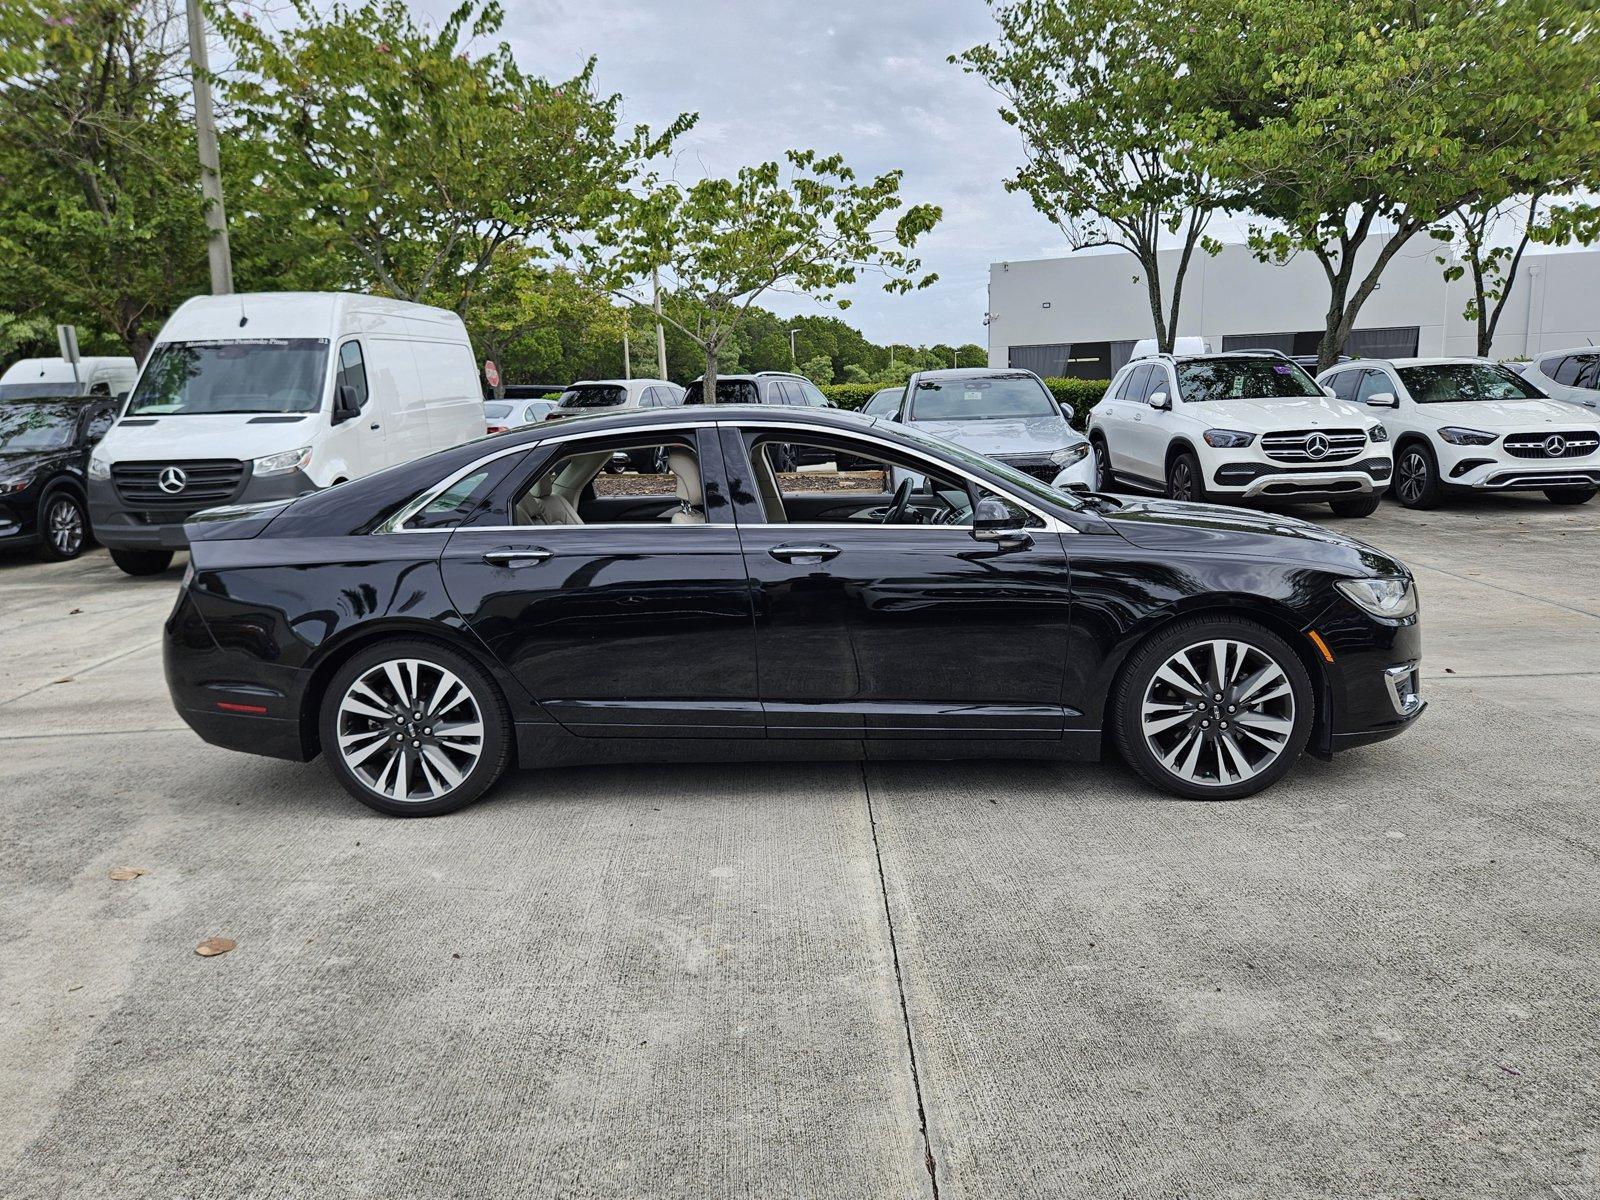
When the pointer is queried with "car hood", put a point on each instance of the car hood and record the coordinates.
(1271, 414)
(19, 464)
(211, 435)
(1508, 416)
(1007, 435)
(1173, 525)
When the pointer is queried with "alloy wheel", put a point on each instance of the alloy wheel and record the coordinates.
(64, 527)
(410, 730)
(1102, 466)
(1412, 476)
(1218, 712)
(1182, 485)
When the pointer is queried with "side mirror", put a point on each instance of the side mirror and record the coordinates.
(344, 404)
(1329, 392)
(121, 398)
(1383, 400)
(1160, 400)
(996, 521)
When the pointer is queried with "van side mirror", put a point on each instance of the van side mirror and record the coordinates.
(997, 522)
(121, 398)
(1161, 401)
(1383, 400)
(345, 406)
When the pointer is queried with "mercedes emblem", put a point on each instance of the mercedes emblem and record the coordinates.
(172, 480)
(1317, 446)
(1555, 445)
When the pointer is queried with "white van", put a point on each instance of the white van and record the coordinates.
(267, 396)
(104, 375)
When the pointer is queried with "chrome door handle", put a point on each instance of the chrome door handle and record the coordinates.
(517, 556)
(804, 554)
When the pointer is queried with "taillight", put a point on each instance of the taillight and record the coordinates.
(497, 429)
(254, 710)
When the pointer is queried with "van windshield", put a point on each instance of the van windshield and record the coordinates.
(279, 375)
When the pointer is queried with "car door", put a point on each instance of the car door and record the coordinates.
(358, 441)
(888, 632)
(1150, 429)
(621, 622)
(1116, 423)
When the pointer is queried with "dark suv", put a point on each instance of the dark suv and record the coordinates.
(44, 455)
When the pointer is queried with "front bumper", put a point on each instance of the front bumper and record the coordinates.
(1523, 476)
(123, 526)
(1081, 474)
(1373, 685)
(1251, 479)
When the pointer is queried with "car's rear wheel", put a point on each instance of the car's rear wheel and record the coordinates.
(63, 527)
(1213, 709)
(142, 562)
(1361, 506)
(1103, 478)
(413, 729)
(1416, 477)
(1184, 480)
(1569, 495)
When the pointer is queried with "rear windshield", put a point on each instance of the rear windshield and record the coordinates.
(1448, 383)
(495, 411)
(597, 395)
(1240, 378)
(37, 426)
(729, 391)
(282, 375)
(981, 398)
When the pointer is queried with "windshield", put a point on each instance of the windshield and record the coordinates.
(884, 402)
(981, 398)
(37, 427)
(279, 375)
(599, 395)
(496, 411)
(1202, 379)
(26, 391)
(729, 391)
(1024, 485)
(1447, 383)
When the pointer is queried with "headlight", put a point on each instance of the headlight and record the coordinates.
(289, 460)
(1377, 434)
(99, 468)
(1458, 436)
(1068, 455)
(1228, 439)
(19, 484)
(1393, 597)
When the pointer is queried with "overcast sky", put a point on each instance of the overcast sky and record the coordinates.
(866, 79)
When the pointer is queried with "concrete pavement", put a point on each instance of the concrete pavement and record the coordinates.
(976, 980)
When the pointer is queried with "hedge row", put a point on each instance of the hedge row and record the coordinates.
(1078, 395)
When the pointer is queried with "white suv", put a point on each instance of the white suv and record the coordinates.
(1471, 423)
(1246, 425)
(1569, 375)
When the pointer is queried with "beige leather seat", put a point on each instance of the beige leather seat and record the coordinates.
(691, 494)
(543, 505)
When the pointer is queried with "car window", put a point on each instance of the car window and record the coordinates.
(1136, 385)
(611, 481)
(535, 411)
(1563, 370)
(99, 421)
(594, 395)
(1450, 383)
(1203, 379)
(1158, 382)
(1372, 382)
(813, 394)
(883, 403)
(729, 391)
(453, 505)
(353, 372)
(1588, 371)
(1344, 383)
(981, 398)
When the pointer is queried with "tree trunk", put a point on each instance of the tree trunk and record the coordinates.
(708, 387)
(1343, 305)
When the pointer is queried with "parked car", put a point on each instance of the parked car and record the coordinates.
(1572, 376)
(1471, 424)
(104, 375)
(1245, 425)
(884, 402)
(590, 396)
(1007, 414)
(766, 387)
(44, 456)
(501, 415)
(988, 615)
(270, 395)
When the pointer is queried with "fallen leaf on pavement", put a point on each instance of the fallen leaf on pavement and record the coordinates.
(74, 612)
(123, 874)
(68, 679)
(214, 946)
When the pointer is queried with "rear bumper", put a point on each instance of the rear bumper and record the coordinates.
(120, 526)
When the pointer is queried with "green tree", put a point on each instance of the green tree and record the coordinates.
(721, 244)
(819, 370)
(101, 222)
(971, 355)
(1375, 120)
(423, 159)
(1116, 129)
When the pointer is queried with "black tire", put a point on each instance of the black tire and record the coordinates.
(1359, 506)
(493, 754)
(1569, 495)
(142, 562)
(1416, 477)
(1104, 477)
(1126, 705)
(1185, 480)
(63, 526)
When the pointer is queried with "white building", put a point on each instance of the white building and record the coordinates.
(1081, 315)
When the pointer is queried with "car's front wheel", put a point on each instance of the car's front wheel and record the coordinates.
(1416, 477)
(1103, 478)
(1184, 480)
(1569, 495)
(413, 729)
(1213, 708)
(63, 527)
(142, 562)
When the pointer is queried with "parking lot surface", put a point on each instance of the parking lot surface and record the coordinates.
(973, 980)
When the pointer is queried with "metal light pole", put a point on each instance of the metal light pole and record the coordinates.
(793, 359)
(205, 136)
(661, 332)
(627, 355)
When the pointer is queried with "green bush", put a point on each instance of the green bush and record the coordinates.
(851, 395)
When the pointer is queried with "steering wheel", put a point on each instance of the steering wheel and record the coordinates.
(897, 506)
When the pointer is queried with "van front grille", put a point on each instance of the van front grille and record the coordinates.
(187, 483)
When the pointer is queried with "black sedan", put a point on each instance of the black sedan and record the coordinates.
(44, 456)
(508, 601)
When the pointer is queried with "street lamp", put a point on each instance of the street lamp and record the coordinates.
(794, 360)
